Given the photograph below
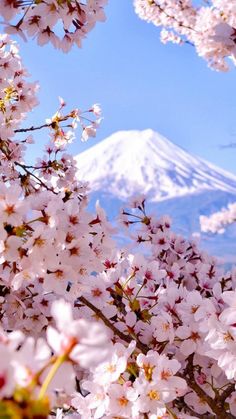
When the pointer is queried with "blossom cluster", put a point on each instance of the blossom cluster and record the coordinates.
(17, 98)
(62, 23)
(209, 26)
(153, 335)
(90, 328)
(18, 95)
(218, 221)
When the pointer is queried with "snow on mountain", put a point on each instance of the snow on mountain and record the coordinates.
(132, 162)
(175, 183)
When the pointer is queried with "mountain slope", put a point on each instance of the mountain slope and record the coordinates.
(131, 162)
(175, 183)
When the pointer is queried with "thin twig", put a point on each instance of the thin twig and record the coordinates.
(214, 404)
(127, 338)
(34, 176)
(32, 128)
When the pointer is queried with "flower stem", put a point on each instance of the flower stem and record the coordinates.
(59, 361)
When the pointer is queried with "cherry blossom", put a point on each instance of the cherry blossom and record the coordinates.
(208, 26)
(91, 328)
(59, 22)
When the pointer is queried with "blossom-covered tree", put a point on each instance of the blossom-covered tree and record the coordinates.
(61, 22)
(208, 25)
(218, 221)
(90, 329)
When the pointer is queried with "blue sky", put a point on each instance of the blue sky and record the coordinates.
(140, 84)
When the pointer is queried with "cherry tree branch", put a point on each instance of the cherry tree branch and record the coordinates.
(126, 338)
(174, 18)
(216, 404)
(227, 392)
(34, 176)
(32, 128)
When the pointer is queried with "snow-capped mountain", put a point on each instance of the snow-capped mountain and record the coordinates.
(145, 162)
(174, 181)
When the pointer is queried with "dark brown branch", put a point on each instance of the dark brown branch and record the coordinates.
(226, 393)
(33, 128)
(34, 176)
(126, 338)
(182, 406)
(214, 404)
(174, 18)
(23, 167)
(51, 125)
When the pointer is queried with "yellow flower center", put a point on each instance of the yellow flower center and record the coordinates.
(148, 369)
(111, 368)
(154, 395)
(123, 401)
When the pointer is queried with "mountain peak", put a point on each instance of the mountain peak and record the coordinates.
(142, 139)
(131, 162)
